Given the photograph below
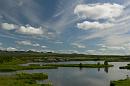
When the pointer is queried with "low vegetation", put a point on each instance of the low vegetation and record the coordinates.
(7, 68)
(35, 76)
(30, 56)
(125, 67)
(10, 60)
(80, 65)
(123, 82)
(23, 79)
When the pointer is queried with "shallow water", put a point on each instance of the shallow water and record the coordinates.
(85, 76)
(68, 62)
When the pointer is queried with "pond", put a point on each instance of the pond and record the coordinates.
(83, 76)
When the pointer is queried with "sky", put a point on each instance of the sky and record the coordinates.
(66, 26)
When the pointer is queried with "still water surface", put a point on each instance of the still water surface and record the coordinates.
(84, 76)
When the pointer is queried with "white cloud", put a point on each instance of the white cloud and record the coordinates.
(36, 45)
(44, 46)
(91, 51)
(29, 30)
(112, 48)
(116, 40)
(11, 49)
(29, 43)
(65, 16)
(59, 42)
(117, 35)
(78, 45)
(116, 48)
(26, 42)
(122, 49)
(98, 11)
(94, 25)
(7, 26)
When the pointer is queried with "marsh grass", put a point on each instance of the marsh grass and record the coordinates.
(24, 79)
(80, 65)
(125, 82)
(125, 67)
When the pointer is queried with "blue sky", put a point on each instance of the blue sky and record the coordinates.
(66, 26)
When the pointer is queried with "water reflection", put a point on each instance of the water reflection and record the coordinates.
(98, 69)
(69, 62)
(98, 63)
(106, 69)
(80, 68)
(84, 76)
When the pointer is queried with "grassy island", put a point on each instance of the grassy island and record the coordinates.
(80, 65)
(125, 67)
(8, 68)
(125, 82)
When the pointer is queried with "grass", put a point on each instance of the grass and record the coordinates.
(13, 65)
(80, 65)
(31, 56)
(8, 68)
(23, 79)
(35, 76)
(125, 67)
(125, 82)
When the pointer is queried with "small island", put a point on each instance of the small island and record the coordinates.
(122, 82)
(126, 67)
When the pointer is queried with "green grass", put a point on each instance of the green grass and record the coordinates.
(80, 65)
(23, 79)
(125, 67)
(13, 65)
(125, 82)
(35, 76)
(8, 68)
(31, 56)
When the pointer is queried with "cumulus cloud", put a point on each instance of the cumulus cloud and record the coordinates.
(29, 30)
(11, 49)
(78, 45)
(98, 11)
(7, 26)
(26, 30)
(36, 45)
(94, 25)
